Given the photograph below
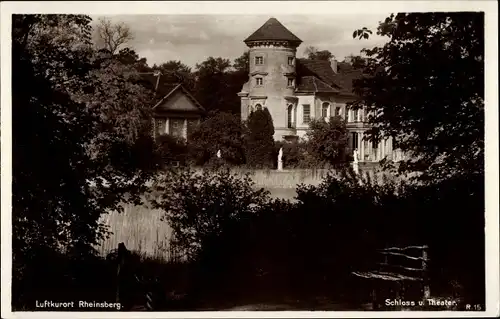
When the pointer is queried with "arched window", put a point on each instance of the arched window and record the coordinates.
(325, 107)
(258, 107)
(290, 116)
(356, 112)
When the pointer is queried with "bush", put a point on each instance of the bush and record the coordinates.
(200, 205)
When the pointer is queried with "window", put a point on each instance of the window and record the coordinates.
(355, 112)
(324, 109)
(258, 107)
(290, 60)
(290, 81)
(259, 60)
(354, 140)
(176, 127)
(290, 116)
(375, 150)
(306, 113)
(160, 126)
(259, 81)
(337, 111)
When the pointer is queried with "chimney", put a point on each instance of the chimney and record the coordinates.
(333, 64)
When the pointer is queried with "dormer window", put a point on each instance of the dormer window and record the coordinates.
(259, 81)
(290, 82)
(259, 60)
(290, 60)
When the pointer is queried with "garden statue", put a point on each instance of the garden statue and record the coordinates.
(355, 165)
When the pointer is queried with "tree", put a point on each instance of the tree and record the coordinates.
(220, 131)
(259, 139)
(313, 53)
(60, 187)
(425, 88)
(356, 61)
(242, 63)
(112, 36)
(128, 56)
(327, 141)
(212, 85)
(178, 72)
(114, 92)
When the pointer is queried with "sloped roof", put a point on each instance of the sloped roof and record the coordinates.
(340, 82)
(273, 30)
(311, 83)
(164, 86)
(161, 85)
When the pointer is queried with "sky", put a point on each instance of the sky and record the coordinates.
(193, 38)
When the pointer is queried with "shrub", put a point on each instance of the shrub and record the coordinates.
(199, 205)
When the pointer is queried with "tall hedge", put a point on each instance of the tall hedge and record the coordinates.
(259, 143)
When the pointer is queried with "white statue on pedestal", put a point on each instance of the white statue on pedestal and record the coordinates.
(355, 165)
(219, 154)
(280, 161)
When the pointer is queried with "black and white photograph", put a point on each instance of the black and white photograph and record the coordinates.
(259, 158)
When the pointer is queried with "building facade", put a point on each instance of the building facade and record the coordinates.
(176, 112)
(295, 91)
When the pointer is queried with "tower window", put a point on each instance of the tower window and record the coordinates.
(259, 81)
(306, 112)
(258, 107)
(356, 114)
(290, 60)
(290, 82)
(259, 60)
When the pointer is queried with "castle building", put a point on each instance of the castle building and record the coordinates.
(295, 91)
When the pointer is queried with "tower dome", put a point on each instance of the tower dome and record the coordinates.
(273, 30)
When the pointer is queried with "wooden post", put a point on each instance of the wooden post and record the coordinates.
(374, 297)
(425, 259)
(121, 260)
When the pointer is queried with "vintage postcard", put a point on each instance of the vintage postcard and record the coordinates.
(220, 159)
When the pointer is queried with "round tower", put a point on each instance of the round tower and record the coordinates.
(272, 78)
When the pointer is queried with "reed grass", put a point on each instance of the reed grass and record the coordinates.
(140, 228)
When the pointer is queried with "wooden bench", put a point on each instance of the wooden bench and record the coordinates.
(396, 272)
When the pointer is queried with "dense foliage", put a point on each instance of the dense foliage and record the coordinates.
(425, 88)
(327, 141)
(70, 97)
(220, 131)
